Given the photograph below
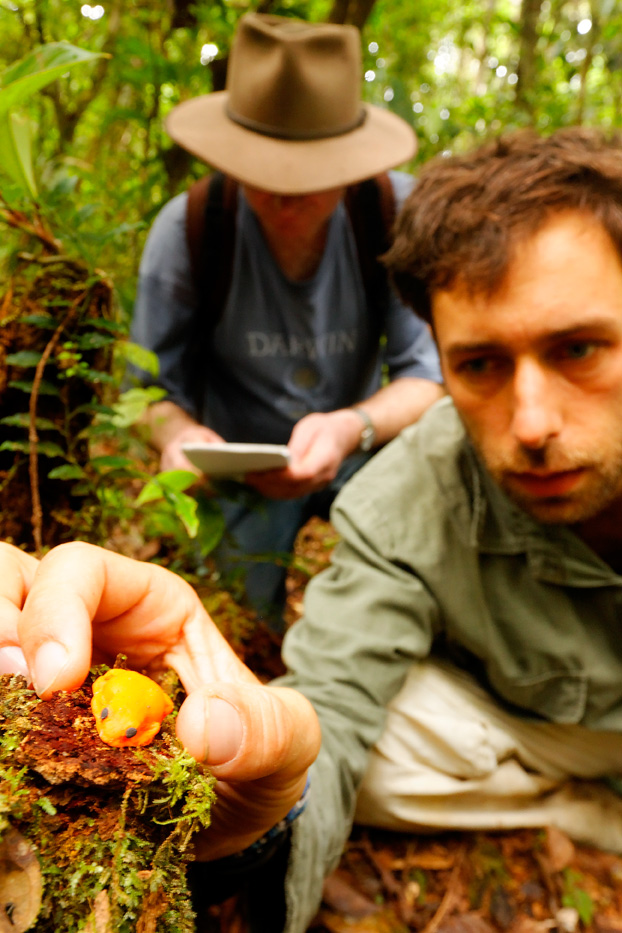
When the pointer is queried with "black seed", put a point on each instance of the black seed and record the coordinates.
(130, 732)
(104, 713)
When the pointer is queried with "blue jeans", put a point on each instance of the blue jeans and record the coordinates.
(259, 531)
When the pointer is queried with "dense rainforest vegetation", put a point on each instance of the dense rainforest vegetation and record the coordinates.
(85, 165)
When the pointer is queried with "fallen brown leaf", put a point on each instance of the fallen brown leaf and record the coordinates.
(341, 896)
(385, 921)
(21, 885)
(471, 922)
(559, 849)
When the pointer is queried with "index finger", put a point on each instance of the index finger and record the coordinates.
(17, 570)
(85, 599)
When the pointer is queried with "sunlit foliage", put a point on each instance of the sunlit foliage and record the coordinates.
(458, 71)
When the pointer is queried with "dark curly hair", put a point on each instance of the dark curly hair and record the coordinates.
(467, 212)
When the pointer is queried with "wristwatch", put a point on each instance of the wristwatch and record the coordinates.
(368, 433)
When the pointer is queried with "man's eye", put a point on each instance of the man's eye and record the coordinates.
(578, 350)
(478, 366)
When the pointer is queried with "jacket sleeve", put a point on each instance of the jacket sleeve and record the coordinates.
(349, 666)
(165, 312)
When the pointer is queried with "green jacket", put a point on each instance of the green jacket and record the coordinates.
(434, 558)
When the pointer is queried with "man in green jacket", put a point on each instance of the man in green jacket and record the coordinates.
(461, 655)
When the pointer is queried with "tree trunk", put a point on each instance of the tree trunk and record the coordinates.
(353, 12)
(527, 61)
(586, 64)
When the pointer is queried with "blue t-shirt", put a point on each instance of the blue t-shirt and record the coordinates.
(281, 349)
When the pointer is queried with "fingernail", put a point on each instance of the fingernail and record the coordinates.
(225, 731)
(12, 661)
(49, 662)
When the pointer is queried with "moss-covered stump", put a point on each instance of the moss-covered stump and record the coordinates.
(92, 838)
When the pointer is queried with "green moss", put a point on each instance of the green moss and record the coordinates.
(112, 856)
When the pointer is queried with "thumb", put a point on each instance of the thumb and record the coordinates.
(250, 731)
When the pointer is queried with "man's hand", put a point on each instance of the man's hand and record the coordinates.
(169, 427)
(318, 445)
(172, 456)
(82, 605)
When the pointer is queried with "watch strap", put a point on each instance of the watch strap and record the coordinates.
(368, 432)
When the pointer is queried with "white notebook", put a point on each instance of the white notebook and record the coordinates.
(236, 459)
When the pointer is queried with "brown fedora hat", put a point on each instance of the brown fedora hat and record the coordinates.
(291, 119)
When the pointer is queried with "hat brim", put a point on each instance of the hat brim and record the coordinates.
(201, 126)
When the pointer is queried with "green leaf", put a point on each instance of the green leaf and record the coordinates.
(176, 480)
(16, 150)
(211, 524)
(113, 326)
(18, 83)
(93, 341)
(22, 420)
(149, 493)
(24, 446)
(39, 320)
(38, 69)
(23, 358)
(46, 805)
(45, 388)
(574, 895)
(49, 449)
(131, 405)
(92, 408)
(96, 376)
(112, 462)
(44, 448)
(139, 357)
(67, 471)
(582, 903)
(186, 510)
(168, 484)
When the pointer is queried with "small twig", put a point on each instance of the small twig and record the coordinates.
(451, 894)
(33, 437)
(20, 221)
(547, 876)
(389, 881)
(57, 259)
(6, 301)
(392, 886)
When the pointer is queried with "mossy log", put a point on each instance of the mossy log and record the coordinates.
(93, 838)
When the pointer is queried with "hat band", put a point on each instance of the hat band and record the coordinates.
(283, 133)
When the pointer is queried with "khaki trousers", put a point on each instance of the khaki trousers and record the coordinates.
(451, 758)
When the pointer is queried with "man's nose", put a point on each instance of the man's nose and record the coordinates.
(536, 415)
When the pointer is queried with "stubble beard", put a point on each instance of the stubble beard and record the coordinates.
(600, 487)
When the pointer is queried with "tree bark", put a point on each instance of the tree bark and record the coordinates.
(586, 64)
(527, 62)
(353, 12)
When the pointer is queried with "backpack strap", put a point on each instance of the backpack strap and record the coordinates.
(372, 209)
(210, 235)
